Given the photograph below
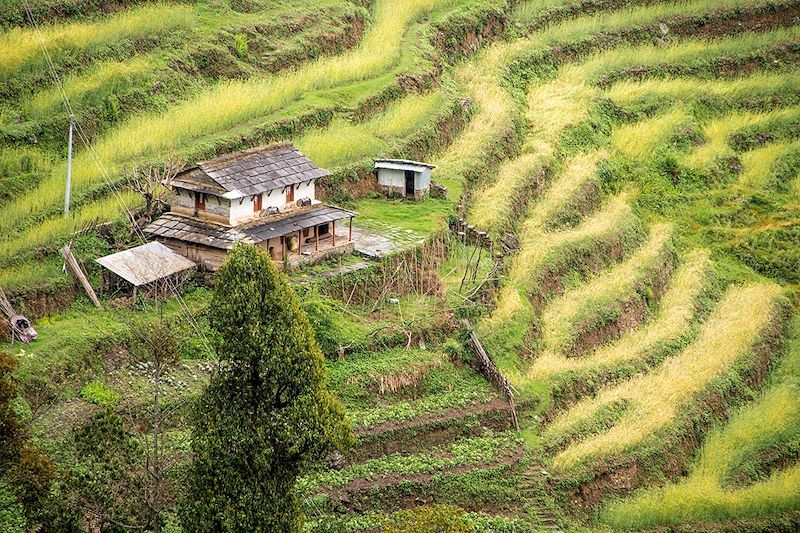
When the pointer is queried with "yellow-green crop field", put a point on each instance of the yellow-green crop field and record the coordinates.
(634, 164)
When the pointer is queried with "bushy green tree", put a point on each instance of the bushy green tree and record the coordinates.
(100, 483)
(266, 415)
(25, 472)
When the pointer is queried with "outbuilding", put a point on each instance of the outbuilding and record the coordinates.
(404, 178)
(151, 267)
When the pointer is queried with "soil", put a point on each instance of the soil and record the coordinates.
(36, 304)
(427, 436)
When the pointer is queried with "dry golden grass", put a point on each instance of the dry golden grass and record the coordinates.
(676, 309)
(225, 105)
(654, 400)
(718, 132)
(556, 105)
(563, 318)
(531, 257)
(491, 120)
(758, 164)
(492, 206)
(577, 172)
(641, 93)
(552, 107)
(20, 46)
(639, 140)
(704, 496)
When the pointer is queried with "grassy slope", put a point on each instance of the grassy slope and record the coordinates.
(588, 133)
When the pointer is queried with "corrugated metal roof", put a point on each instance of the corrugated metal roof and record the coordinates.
(254, 171)
(146, 263)
(403, 164)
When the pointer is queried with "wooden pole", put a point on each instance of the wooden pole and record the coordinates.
(351, 230)
(333, 233)
(283, 248)
(299, 242)
(316, 237)
(73, 264)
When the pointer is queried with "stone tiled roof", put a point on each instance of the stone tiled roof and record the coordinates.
(183, 228)
(253, 171)
(180, 227)
(297, 220)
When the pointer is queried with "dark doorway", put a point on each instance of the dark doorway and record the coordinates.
(290, 194)
(409, 183)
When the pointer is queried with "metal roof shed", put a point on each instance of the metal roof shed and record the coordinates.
(401, 177)
(146, 264)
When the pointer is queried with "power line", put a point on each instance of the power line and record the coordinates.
(109, 182)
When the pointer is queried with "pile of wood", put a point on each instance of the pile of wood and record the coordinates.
(21, 328)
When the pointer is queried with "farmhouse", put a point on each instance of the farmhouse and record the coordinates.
(263, 196)
(401, 177)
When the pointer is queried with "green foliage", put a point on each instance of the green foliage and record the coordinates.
(433, 518)
(468, 451)
(99, 393)
(240, 45)
(102, 476)
(321, 316)
(25, 472)
(12, 515)
(266, 416)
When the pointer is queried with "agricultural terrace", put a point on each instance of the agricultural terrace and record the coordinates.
(635, 166)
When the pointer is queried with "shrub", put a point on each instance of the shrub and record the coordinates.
(320, 314)
(99, 393)
(240, 45)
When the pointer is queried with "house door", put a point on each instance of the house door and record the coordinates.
(290, 194)
(258, 202)
(409, 183)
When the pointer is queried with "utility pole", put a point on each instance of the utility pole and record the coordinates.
(69, 168)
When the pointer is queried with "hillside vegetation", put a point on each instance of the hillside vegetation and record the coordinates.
(635, 165)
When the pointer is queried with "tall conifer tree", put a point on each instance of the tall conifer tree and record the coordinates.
(266, 415)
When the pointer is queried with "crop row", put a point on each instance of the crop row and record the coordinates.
(470, 451)
(653, 400)
(742, 471)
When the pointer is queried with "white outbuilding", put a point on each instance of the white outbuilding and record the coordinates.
(404, 178)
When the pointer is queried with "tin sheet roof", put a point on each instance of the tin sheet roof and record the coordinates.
(403, 164)
(254, 171)
(146, 263)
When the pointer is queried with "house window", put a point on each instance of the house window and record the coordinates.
(199, 201)
(290, 194)
(306, 232)
(257, 202)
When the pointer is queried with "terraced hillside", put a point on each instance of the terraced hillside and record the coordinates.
(635, 165)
